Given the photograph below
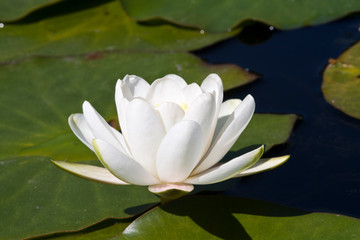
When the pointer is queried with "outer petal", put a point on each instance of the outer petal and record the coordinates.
(170, 114)
(263, 165)
(121, 165)
(229, 133)
(101, 129)
(179, 152)
(166, 89)
(145, 132)
(81, 129)
(95, 173)
(227, 170)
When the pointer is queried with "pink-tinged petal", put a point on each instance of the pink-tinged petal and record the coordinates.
(100, 128)
(179, 152)
(81, 129)
(227, 136)
(213, 84)
(263, 165)
(227, 170)
(121, 165)
(145, 131)
(171, 191)
(166, 89)
(202, 111)
(98, 174)
(170, 114)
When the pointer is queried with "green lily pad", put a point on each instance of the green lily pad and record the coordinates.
(266, 129)
(215, 17)
(341, 82)
(219, 217)
(15, 9)
(38, 198)
(101, 28)
(104, 233)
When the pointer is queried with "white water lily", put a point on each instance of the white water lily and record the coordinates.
(172, 136)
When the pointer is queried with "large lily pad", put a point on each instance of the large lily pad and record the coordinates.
(12, 10)
(216, 217)
(38, 198)
(101, 28)
(38, 96)
(341, 83)
(213, 16)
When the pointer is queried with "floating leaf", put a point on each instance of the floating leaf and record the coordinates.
(15, 9)
(38, 198)
(341, 83)
(101, 28)
(219, 17)
(267, 129)
(219, 217)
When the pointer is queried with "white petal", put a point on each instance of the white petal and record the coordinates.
(121, 165)
(179, 152)
(189, 93)
(137, 86)
(166, 89)
(145, 131)
(81, 129)
(213, 83)
(100, 128)
(226, 109)
(227, 136)
(227, 170)
(264, 164)
(170, 114)
(95, 173)
(131, 86)
(202, 111)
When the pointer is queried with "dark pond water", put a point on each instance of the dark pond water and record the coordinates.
(323, 173)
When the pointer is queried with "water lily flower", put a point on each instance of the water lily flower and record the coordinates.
(172, 137)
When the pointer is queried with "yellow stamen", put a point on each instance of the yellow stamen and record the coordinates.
(184, 106)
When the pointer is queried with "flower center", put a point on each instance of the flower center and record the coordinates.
(184, 106)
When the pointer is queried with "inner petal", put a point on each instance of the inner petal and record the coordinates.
(166, 89)
(170, 113)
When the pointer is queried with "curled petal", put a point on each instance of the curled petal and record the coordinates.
(81, 129)
(226, 137)
(98, 174)
(227, 170)
(121, 165)
(263, 165)
(179, 152)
